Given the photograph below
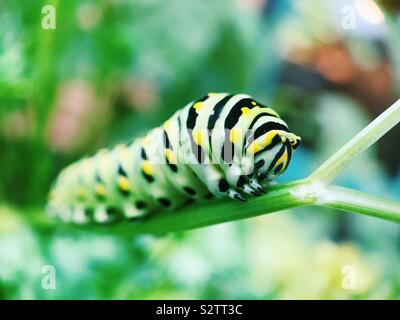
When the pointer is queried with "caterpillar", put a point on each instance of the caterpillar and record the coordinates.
(220, 145)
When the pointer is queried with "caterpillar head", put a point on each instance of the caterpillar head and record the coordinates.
(273, 152)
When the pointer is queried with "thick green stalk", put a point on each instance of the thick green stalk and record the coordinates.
(355, 201)
(279, 197)
(206, 213)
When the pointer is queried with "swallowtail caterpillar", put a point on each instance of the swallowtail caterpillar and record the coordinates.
(221, 145)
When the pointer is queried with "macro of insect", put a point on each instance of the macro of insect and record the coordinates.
(221, 145)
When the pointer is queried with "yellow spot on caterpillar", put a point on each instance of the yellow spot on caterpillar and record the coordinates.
(245, 111)
(81, 193)
(197, 136)
(100, 190)
(235, 135)
(198, 106)
(254, 103)
(123, 183)
(284, 160)
(269, 136)
(170, 156)
(215, 94)
(254, 148)
(147, 168)
(262, 142)
(167, 124)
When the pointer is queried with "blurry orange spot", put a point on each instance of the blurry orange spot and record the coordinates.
(18, 124)
(88, 15)
(140, 94)
(252, 4)
(300, 56)
(71, 115)
(335, 64)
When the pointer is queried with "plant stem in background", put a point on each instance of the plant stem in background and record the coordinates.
(358, 144)
(359, 202)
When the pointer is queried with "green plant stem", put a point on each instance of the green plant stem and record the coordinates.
(206, 213)
(280, 197)
(358, 144)
(355, 201)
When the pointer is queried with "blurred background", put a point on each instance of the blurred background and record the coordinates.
(112, 69)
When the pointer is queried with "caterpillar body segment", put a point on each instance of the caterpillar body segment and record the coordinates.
(219, 145)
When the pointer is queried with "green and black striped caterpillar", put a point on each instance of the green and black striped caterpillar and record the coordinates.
(219, 145)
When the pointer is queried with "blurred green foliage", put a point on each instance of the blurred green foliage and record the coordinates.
(113, 69)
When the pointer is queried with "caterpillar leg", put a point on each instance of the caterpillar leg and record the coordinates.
(216, 182)
(78, 215)
(247, 188)
(235, 177)
(235, 195)
(256, 185)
